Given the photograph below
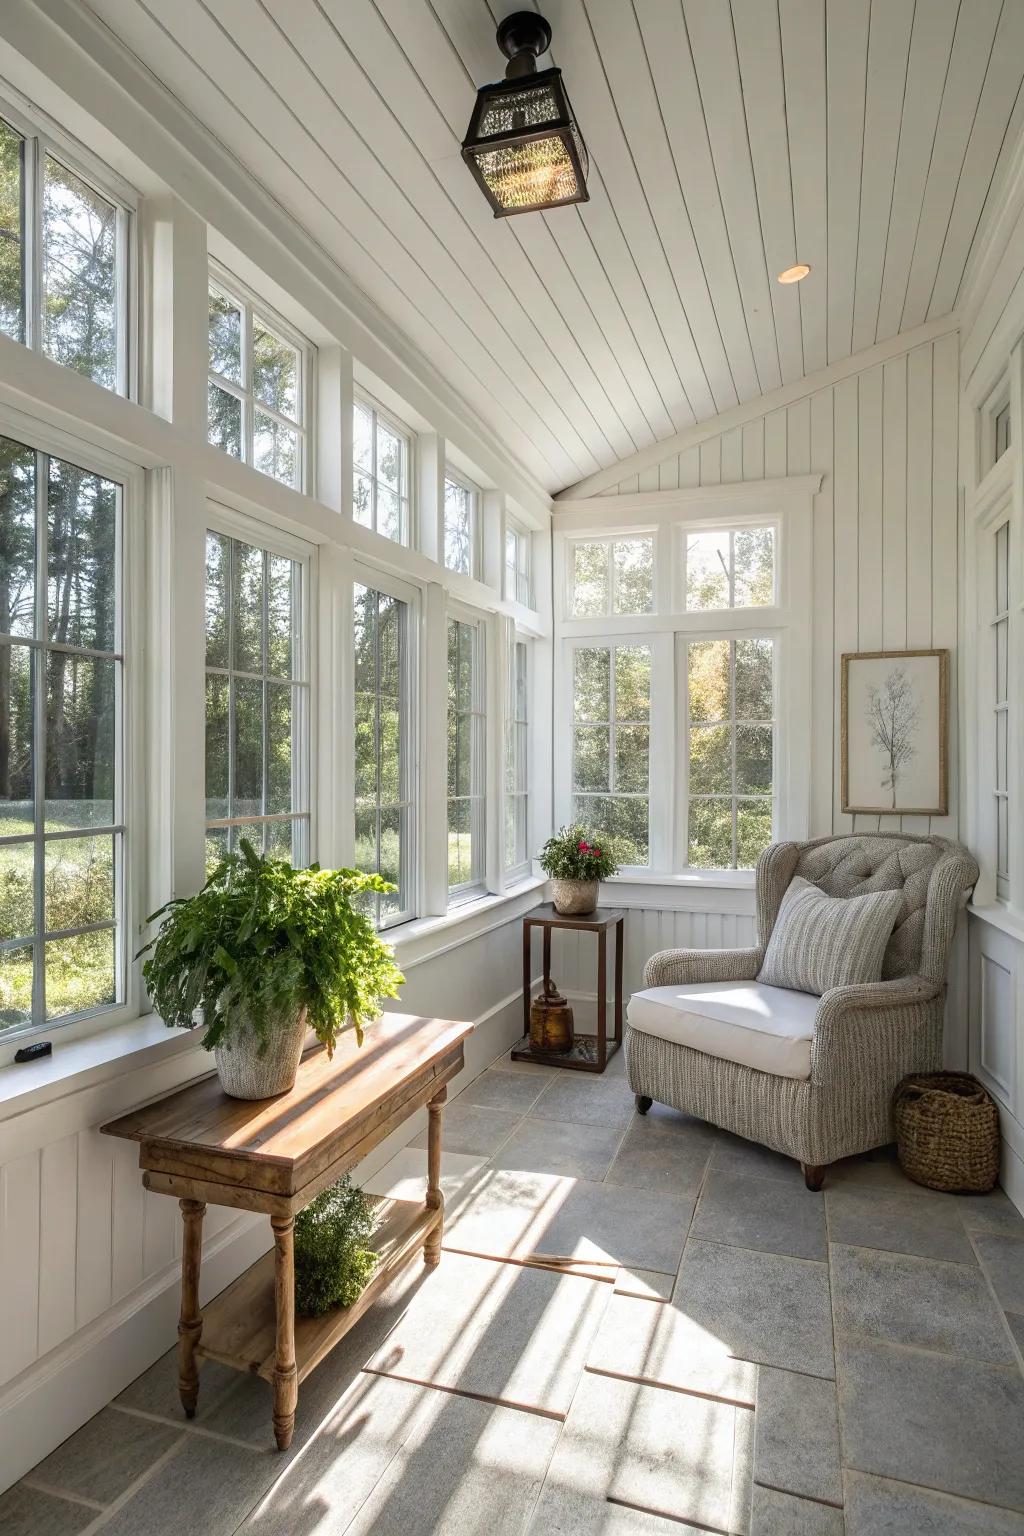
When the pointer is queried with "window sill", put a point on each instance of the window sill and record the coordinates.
(726, 879)
(1002, 917)
(719, 890)
(426, 937)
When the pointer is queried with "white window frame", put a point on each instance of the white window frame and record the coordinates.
(42, 137)
(483, 711)
(409, 726)
(669, 517)
(406, 499)
(245, 529)
(475, 523)
(518, 574)
(130, 809)
(253, 307)
(646, 531)
(512, 868)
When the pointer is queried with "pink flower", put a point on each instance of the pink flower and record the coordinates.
(596, 852)
(583, 847)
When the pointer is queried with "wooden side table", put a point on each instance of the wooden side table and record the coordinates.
(590, 1053)
(274, 1156)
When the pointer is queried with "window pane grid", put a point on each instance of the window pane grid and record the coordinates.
(517, 566)
(611, 746)
(612, 576)
(730, 568)
(383, 799)
(1000, 625)
(516, 759)
(730, 749)
(255, 389)
(381, 475)
(460, 518)
(466, 723)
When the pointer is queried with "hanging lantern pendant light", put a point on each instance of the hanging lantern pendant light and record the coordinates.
(523, 144)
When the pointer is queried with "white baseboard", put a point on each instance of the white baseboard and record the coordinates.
(1011, 1175)
(58, 1393)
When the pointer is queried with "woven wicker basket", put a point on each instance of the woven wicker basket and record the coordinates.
(947, 1130)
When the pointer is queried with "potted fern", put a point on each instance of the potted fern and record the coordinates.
(576, 863)
(262, 953)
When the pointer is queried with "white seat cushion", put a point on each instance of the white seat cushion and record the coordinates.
(769, 1028)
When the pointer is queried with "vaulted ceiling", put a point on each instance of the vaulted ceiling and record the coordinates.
(727, 141)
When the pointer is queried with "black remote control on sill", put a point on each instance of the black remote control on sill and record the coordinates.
(33, 1052)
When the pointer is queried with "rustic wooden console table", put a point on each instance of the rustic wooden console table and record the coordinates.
(275, 1155)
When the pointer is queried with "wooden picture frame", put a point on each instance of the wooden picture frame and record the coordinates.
(894, 751)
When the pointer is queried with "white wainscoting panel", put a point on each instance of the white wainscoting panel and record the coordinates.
(996, 1036)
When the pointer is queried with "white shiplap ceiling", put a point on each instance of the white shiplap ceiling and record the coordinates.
(727, 141)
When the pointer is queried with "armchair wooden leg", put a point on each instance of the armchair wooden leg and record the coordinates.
(814, 1174)
(643, 1103)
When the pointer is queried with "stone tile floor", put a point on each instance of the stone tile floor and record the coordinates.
(735, 1354)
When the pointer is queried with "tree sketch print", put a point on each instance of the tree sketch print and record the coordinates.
(892, 717)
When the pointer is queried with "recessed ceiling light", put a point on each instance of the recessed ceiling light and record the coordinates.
(794, 274)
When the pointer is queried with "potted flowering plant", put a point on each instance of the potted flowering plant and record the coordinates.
(576, 863)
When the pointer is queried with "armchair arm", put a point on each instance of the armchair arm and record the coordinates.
(873, 1026)
(677, 967)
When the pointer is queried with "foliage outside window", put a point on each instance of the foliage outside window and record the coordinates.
(730, 568)
(730, 733)
(460, 520)
(517, 851)
(517, 565)
(63, 260)
(383, 797)
(612, 576)
(381, 473)
(255, 394)
(611, 746)
(466, 719)
(256, 702)
(1001, 706)
(61, 819)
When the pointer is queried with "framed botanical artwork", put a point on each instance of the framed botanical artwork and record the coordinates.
(895, 728)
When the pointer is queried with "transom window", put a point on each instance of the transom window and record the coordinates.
(466, 725)
(611, 745)
(383, 788)
(517, 850)
(257, 386)
(517, 564)
(729, 740)
(64, 259)
(461, 512)
(381, 454)
(1000, 624)
(730, 568)
(257, 706)
(61, 685)
(614, 575)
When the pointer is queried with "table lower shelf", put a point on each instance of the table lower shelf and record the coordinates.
(581, 1057)
(239, 1326)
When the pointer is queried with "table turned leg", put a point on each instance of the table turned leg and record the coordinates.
(286, 1375)
(190, 1320)
(435, 1199)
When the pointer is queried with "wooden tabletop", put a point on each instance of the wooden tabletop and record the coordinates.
(280, 1143)
(603, 917)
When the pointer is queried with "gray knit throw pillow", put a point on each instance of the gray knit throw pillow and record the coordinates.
(820, 942)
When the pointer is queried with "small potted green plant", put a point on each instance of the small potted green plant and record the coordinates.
(260, 954)
(332, 1263)
(576, 863)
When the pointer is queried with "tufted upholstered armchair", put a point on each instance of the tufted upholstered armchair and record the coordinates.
(824, 1069)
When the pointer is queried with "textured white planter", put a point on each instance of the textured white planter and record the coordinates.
(245, 1074)
(574, 898)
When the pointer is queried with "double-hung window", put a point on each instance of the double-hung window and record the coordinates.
(257, 701)
(383, 737)
(62, 822)
(65, 255)
(517, 564)
(259, 386)
(467, 816)
(999, 735)
(611, 745)
(381, 472)
(461, 524)
(517, 745)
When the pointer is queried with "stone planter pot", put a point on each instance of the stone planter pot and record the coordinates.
(574, 898)
(245, 1074)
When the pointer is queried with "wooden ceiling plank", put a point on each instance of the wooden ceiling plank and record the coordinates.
(803, 57)
(759, 50)
(714, 55)
(968, 66)
(931, 43)
(888, 57)
(671, 63)
(846, 51)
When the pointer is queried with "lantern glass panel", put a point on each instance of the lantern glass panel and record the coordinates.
(523, 175)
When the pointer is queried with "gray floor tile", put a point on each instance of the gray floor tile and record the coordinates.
(796, 1428)
(568, 1512)
(735, 1154)
(549, 1146)
(764, 1307)
(586, 1099)
(877, 1507)
(1003, 1258)
(25, 1511)
(473, 1129)
(742, 1475)
(1016, 1322)
(666, 1452)
(906, 1300)
(534, 1068)
(898, 1221)
(951, 1424)
(650, 1284)
(206, 1487)
(514, 1334)
(512, 1091)
(405, 1176)
(771, 1214)
(663, 1156)
(995, 1212)
(106, 1455)
(780, 1514)
(156, 1390)
(657, 1343)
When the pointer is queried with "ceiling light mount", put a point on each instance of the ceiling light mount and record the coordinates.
(523, 145)
(795, 273)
